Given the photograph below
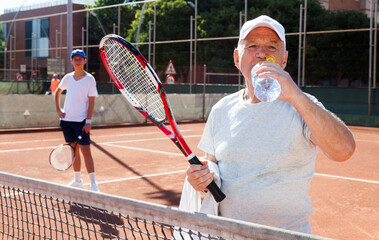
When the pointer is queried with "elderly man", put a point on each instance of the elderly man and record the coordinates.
(266, 151)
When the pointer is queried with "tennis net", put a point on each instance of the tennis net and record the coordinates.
(36, 209)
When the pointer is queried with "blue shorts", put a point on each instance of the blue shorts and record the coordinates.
(71, 131)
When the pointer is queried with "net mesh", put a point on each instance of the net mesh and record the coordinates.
(140, 87)
(35, 209)
(62, 157)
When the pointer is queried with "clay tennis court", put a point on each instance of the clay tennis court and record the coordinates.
(140, 162)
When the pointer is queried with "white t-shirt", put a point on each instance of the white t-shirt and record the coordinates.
(76, 102)
(266, 161)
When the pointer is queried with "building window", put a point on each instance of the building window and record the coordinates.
(37, 37)
(28, 38)
(4, 31)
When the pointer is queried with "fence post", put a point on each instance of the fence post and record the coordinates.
(204, 82)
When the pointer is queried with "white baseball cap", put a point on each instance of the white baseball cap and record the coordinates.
(263, 21)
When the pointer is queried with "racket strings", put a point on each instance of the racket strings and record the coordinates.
(62, 157)
(138, 83)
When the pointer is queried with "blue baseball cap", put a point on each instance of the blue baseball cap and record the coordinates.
(78, 52)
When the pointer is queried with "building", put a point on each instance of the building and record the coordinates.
(355, 5)
(37, 39)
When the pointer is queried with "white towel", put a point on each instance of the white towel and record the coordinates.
(191, 200)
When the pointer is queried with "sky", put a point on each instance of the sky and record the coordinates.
(5, 4)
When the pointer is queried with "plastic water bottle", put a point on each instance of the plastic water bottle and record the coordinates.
(265, 89)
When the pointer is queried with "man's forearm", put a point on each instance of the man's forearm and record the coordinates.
(327, 131)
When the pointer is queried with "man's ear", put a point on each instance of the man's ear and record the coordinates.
(284, 63)
(236, 59)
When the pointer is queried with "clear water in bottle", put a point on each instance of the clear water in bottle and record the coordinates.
(265, 89)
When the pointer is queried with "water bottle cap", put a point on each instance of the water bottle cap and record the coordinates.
(270, 58)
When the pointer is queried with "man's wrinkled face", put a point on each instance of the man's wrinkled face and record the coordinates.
(259, 43)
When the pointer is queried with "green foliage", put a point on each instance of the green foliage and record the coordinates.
(332, 56)
(102, 20)
(173, 23)
(2, 45)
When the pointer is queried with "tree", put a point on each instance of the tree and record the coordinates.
(101, 23)
(173, 23)
(2, 45)
(327, 55)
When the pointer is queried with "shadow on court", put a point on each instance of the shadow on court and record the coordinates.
(108, 222)
(171, 197)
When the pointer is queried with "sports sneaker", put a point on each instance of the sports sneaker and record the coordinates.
(76, 184)
(94, 187)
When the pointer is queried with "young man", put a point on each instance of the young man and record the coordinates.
(77, 114)
(266, 151)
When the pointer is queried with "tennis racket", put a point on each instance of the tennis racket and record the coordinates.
(63, 156)
(140, 85)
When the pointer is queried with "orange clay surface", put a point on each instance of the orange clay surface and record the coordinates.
(140, 162)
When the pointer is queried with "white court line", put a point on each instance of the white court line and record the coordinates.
(347, 178)
(25, 149)
(104, 143)
(142, 149)
(137, 177)
(363, 140)
(148, 139)
(181, 171)
(92, 135)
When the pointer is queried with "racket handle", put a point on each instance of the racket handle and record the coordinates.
(212, 187)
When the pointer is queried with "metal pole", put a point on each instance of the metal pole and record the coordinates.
(118, 20)
(69, 34)
(56, 43)
(155, 31)
(61, 47)
(87, 36)
(149, 55)
(204, 82)
(239, 72)
(375, 42)
(10, 55)
(370, 60)
(5, 60)
(139, 24)
(37, 47)
(304, 41)
(82, 37)
(31, 64)
(245, 10)
(299, 58)
(191, 52)
(195, 47)
(240, 20)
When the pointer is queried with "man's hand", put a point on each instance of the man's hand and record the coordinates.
(199, 176)
(289, 89)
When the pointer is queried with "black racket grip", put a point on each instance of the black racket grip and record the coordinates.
(212, 187)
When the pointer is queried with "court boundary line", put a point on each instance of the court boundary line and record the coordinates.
(180, 171)
(137, 177)
(104, 143)
(346, 178)
(92, 135)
